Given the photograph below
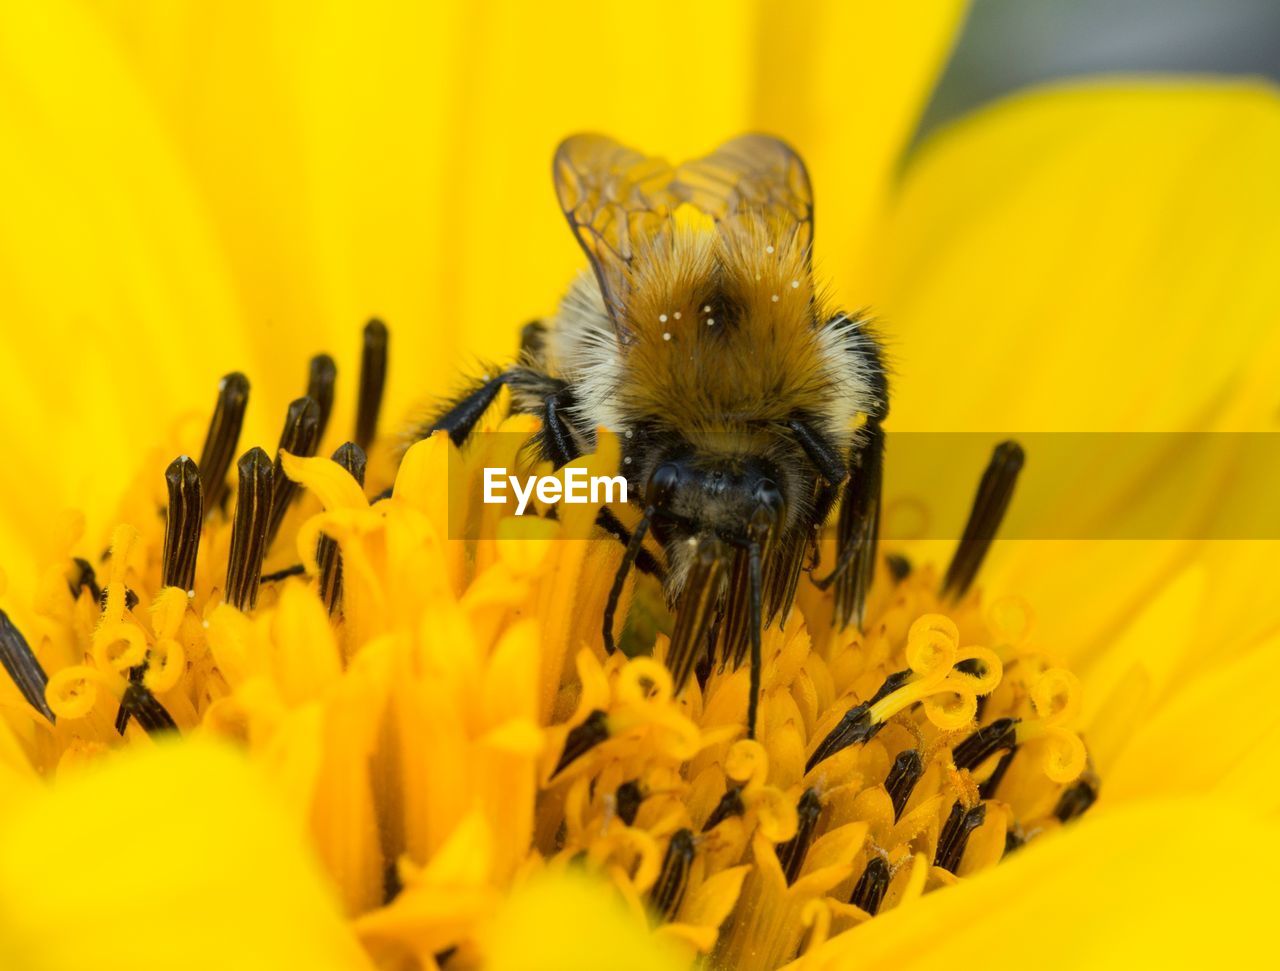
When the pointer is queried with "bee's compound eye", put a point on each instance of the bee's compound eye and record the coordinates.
(662, 484)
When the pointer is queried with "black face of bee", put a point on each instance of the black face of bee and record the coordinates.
(692, 494)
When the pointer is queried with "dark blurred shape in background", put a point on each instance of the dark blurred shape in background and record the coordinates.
(1010, 44)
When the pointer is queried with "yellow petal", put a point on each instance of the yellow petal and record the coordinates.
(305, 659)
(183, 860)
(440, 903)
(570, 923)
(1071, 244)
(333, 485)
(1121, 889)
(714, 899)
(1218, 730)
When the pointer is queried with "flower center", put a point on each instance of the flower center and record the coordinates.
(447, 713)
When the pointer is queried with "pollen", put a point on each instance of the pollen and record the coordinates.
(666, 336)
(774, 298)
(662, 318)
(444, 716)
(768, 249)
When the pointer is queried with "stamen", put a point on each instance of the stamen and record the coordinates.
(989, 506)
(84, 578)
(1077, 798)
(668, 889)
(300, 436)
(183, 520)
(901, 780)
(352, 458)
(856, 726)
(899, 566)
(627, 801)
(131, 599)
(791, 853)
(583, 739)
(974, 667)
(373, 377)
(955, 834)
(322, 375)
(891, 684)
(730, 804)
(392, 885)
(293, 570)
(988, 788)
(869, 892)
(23, 666)
(1014, 839)
(141, 705)
(249, 529)
(984, 743)
(223, 436)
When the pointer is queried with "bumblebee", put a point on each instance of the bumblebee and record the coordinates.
(747, 407)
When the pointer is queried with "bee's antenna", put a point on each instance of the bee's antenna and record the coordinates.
(634, 546)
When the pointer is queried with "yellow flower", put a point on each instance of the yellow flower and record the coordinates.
(431, 761)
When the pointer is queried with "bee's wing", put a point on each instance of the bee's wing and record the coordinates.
(612, 197)
(752, 172)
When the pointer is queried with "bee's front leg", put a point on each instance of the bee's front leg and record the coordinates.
(462, 416)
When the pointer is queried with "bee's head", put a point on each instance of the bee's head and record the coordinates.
(737, 497)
